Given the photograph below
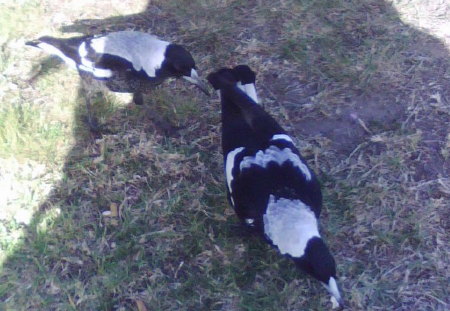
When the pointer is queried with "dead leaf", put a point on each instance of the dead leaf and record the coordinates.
(114, 210)
(140, 305)
(97, 160)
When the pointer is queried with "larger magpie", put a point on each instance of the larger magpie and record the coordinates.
(269, 184)
(125, 61)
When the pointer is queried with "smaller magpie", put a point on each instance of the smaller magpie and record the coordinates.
(269, 184)
(124, 61)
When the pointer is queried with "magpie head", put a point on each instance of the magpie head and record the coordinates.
(319, 263)
(246, 80)
(179, 63)
(241, 76)
(244, 74)
(222, 78)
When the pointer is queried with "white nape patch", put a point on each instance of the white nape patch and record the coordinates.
(275, 154)
(54, 51)
(282, 137)
(250, 90)
(333, 289)
(290, 224)
(229, 164)
(144, 51)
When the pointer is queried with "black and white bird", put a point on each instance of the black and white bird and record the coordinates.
(269, 184)
(124, 61)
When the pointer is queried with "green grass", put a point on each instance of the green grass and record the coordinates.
(337, 66)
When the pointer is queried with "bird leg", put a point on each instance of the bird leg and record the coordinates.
(138, 98)
(92, 121)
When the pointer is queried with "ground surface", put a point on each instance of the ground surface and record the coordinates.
(363, 86)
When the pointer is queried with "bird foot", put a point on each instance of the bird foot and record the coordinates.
(138, 99)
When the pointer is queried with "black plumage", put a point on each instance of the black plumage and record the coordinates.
(269, 184)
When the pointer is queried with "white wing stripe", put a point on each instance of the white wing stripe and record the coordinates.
(282, 137)
(229, 165)
(275, 154)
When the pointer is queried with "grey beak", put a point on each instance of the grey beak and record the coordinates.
(195, 79)
(335, 295)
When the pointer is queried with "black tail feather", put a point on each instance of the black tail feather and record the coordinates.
(68, 47)
(33, 43)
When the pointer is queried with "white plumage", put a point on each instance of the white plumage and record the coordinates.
(135, 47)
(229, 165)
(282, 137)
(289, 224)
(277, 155)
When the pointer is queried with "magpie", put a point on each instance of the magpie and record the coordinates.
(124, 61)
(269, 184)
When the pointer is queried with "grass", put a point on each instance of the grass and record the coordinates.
(362, 89)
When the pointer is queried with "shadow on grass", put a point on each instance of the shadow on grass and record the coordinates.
(366, 92)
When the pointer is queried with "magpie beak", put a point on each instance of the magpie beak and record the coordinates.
(334, 291)
(249, 89)
(195, 79)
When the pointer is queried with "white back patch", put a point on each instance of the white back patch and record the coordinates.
(144, 51)
(229, 164)
(275, 154)
(290, 224)
(54, 51)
